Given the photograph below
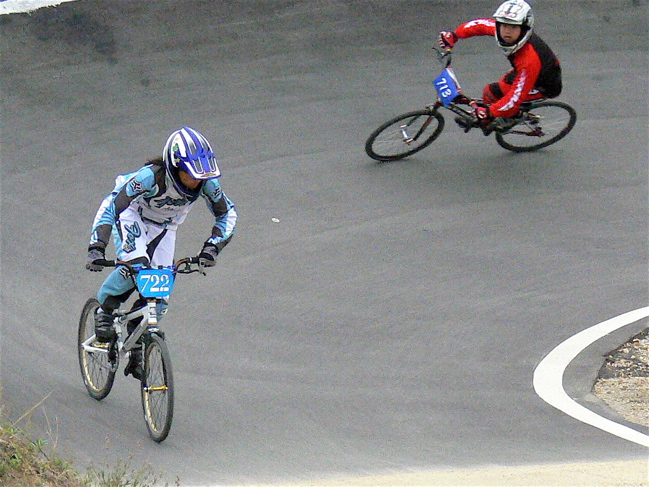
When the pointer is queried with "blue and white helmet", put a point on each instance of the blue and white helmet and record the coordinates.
(515, 12)
(187, 150)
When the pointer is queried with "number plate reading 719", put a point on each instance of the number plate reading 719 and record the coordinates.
(155, 283)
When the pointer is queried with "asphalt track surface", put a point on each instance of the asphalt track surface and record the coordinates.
(392, 318)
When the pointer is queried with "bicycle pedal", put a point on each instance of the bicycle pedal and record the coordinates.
(134, 369)
(464, 124)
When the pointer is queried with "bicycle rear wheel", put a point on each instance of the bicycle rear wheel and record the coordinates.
(98, 361)
(157, 387)
(545, 123)
(404, 135)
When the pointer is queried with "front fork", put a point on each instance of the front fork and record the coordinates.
(404, 128)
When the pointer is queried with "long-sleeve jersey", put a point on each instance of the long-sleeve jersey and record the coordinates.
(151, 192)
(534, 67)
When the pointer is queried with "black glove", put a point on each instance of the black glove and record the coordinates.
(94, 255)
(207, 257)
(447, 39)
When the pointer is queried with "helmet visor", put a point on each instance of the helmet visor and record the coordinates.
(201, 165)
(503, 20)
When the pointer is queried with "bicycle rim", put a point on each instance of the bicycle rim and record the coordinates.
(157, 388)
(546, 122)
(404, 135)
(97, 369)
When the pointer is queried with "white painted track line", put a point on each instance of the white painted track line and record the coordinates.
(548, 376)
(22, 6)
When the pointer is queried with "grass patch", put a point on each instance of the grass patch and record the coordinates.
(26, 463)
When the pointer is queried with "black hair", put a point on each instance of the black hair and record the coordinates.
(158, 161)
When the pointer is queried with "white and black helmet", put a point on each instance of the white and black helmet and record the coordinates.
(187, 150)
(515, 12)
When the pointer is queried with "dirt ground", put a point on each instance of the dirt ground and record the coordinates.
(623, 381)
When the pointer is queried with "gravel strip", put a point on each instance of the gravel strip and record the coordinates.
(623, 380)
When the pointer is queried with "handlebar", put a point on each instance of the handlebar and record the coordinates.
(181, 266)
(184, 265)
(444, 56)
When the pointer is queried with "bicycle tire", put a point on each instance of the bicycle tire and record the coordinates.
(97, 368)
(157, 387)
(546, 122)
(404, 135)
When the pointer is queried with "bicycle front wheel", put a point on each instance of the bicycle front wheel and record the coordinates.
(545, 123)
(98, 361)
(404, 135)
(157, 387)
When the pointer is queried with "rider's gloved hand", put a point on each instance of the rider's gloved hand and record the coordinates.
(482, 115)
(447, 39)
(95, 255)
(207, 257)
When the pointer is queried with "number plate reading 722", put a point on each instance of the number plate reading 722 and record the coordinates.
(155, 283)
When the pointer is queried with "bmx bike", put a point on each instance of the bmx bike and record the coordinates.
(99, 361)
(538, 124)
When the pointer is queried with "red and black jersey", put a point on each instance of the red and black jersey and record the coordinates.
(535, 67)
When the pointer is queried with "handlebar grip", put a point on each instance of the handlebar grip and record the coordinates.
(184, 266)
(187, 260)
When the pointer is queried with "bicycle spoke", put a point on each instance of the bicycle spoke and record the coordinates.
(157, 389)
(404, 135)
(97, 368)
(546, 123)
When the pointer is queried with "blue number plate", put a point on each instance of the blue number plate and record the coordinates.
(447, 86)
(155, 283)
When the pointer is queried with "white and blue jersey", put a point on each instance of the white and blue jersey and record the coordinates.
(151, 194)
(143, 212)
